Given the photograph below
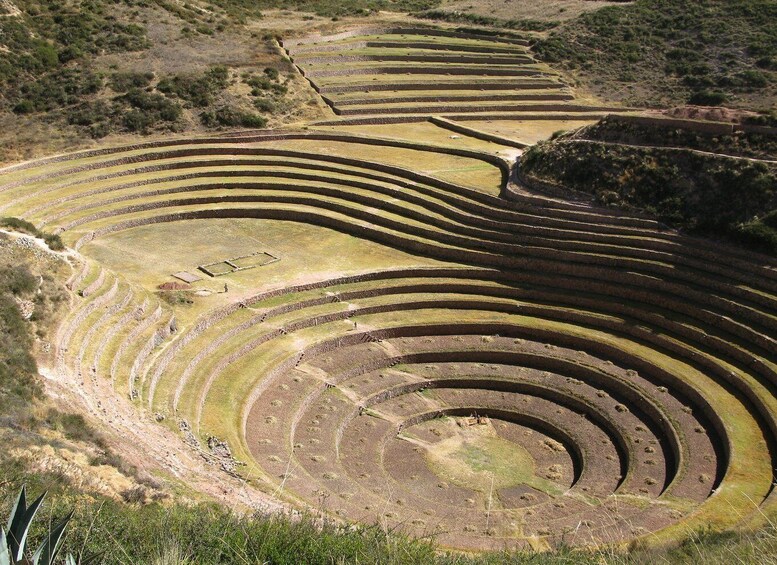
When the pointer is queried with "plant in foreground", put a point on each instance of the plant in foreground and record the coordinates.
(13, 542)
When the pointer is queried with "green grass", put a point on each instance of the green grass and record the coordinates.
(474, 458)
(206, 534)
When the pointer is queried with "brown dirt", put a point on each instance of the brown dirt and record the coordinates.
(712, 114)
(172, 285)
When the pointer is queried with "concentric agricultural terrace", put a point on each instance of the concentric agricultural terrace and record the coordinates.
(405, 75)
(435, 348)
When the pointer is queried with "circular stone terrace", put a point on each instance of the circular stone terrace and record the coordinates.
(426, 353)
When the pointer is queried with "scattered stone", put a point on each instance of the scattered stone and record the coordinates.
(553, 445)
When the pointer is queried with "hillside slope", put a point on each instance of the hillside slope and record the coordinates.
(719, 186)
(665, 52)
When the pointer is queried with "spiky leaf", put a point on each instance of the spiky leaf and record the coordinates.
(5, 556)
(19, 523)
(47, 550)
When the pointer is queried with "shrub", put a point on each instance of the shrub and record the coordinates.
(753, 78)
(199, 90)
(47, 55)
(707, 98)
(17, 280)
(19, 382)
(122, 82)
(89, 113)
(24, 107)
(137, 121)
(759, 236)
(63, 87)
(230, 116)
(149, 108)
(264, 105)
(177, 298)
(53, 241)
(264, 85)
(19, 225)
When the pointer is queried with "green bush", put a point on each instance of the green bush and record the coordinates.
(264, 105)
(261, 85)
(63, 87)
(229, 116)
(758, 236)
(19, 224)
(17, 280)
(198, 90)
(87, 113)
(177, 298)
(122, 82)
(138, 121)
(707, 98)
(753, 78)
(148, 110)
(53, 241)
(73, 427)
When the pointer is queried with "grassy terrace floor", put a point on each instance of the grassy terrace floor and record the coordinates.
(431, 75)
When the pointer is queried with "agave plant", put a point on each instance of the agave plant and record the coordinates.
(13, 542)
